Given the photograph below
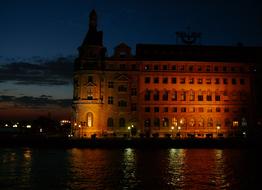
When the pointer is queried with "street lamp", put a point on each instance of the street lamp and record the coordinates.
(218, 128)
(172, 128)
(129, 130)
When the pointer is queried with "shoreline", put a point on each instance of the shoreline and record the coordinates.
(61, 142)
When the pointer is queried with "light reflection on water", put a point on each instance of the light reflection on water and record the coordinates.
(32, 168)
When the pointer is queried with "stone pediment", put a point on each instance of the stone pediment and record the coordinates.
(121, 77)
(91, 84)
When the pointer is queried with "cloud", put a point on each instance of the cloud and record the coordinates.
(42, 101)
(55, 72)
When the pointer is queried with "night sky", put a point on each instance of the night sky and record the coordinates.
(39, 40)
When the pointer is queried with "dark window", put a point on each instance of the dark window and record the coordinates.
(110, 84)
(122, 88)
(174, 67)
(156, 80)
(147, 109)
(156, 122)
(122, 103)
(191, 81)
(122, 122)
(110, 100)
(174, 80)
(225, 81)
(156, 67)
(209, 98)
(90, 79)
(217, 109)
(242, 81)
(156, 95)
(133, 107)
(226, 110)
(133, 92)
(217, 81)
(216, 68)
(217, 98)
(147, 95)
(208, 68)
(134, 67)
(165, 95)
(165, 67)
(147, 79)
(224, 69)
(165, 80)
(122, 66)
(156, 109)
(234, 81)
(191, 68)
(110, 122)
(200, 97)
(199, 68)
(165, 109)
(174, 109)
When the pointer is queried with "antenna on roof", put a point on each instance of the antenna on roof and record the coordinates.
(188, 37)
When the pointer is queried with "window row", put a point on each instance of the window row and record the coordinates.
(184, 80)
(193, 68)
(192, 109)
(183, 123)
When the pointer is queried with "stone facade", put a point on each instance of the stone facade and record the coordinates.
(163, 90)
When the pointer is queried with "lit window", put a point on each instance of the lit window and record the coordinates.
(183, 96)
(89, 119)
(182, 80)
(200, 81)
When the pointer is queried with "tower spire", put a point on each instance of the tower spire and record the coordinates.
(92, 20)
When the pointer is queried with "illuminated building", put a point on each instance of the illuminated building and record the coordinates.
(178, 90)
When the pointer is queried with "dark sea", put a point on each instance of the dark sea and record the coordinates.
(113, 169)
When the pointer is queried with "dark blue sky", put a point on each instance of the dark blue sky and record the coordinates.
(57, 27)
(53, 28)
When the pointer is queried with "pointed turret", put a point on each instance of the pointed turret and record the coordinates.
(92, 21)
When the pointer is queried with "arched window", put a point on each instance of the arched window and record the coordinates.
(192, 95)
(201, 122)
(122, 122)
(192, 122)
(110, 122)
(210, 122)
(165, 122)
(165, 95)
(147, 123)
(156, 95)
(89, 119)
